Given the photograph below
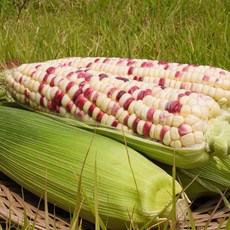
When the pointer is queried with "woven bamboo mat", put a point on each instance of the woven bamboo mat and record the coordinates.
(16, 203)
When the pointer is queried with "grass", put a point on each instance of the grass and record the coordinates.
(170, 30)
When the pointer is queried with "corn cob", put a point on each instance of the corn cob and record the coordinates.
(167, 117)
(42, 154)
(208, 80)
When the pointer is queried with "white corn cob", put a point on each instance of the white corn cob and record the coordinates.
(177, 118)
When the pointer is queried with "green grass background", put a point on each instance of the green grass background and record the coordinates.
(184, 31)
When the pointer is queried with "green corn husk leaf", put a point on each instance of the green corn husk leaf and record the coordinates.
(213, 177)
(186, 158)
(42, 154)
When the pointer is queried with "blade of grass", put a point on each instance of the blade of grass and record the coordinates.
(174, 217)
(228, 223)
(36, 215)
(126, 147)
(97, 225)
(46, 205)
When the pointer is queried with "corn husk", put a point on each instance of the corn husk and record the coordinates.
(205, 181)
(49, 157)
(213, 178)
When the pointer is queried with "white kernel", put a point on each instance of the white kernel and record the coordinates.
(37, 98)
(105, 104)
(205, 89)
(158, 131)
(167, 138)
(131, 107)
(155, 103)
(139, 110)
(48, 93)
(131, 120)
(199, 125)
(148, 100)
(191, 119)
(119, 112)
(196, 110)
(104, 88)
(144, 113)
(162, 104)
(135, 93)
(45, 102)
(86, 106)
(124, 98)
(95, 113)
(185, 110)
(137, 105)
(140, 127)
(199, 137)
(36, 86)
(169, 119)
(44, 90)
(65, 100)
(204, 112)
(100, 100)
(219, 93)
(176, 144)
(188, 140)
(104, 118)
(192, 101)
(156, 117)
(110, 120)
(177, 121)
(62, 111)
(50, 77)
(183, 100)
(114, 95)
(57, 80)
(122, 116)
(53, 92)
(152, 131)
(215, 110)
(17, 75)
(226, 84)
(172, 84)
(72, 91)
(198, 88)
(73, 109)
(211, 92)
(39, 75)
(33, 97)
(174, 133)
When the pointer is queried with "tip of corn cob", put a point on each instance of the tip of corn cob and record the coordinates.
(218, 136)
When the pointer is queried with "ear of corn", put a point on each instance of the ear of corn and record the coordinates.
(157, 122)
(208, 80)
(43, 154)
